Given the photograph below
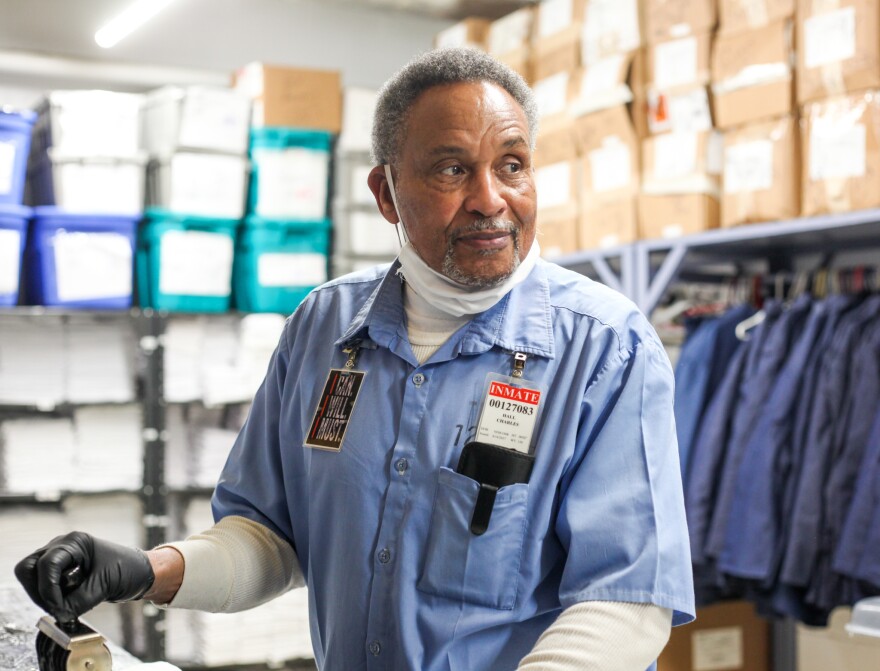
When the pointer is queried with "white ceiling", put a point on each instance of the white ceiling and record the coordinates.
(366, 39)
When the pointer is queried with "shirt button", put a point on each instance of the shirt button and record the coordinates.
(384, 556)
(418, 378)
(375, 648)
(401, 465)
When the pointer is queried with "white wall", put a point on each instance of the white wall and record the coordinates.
(48, 44)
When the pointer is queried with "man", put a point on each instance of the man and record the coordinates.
(468, 457)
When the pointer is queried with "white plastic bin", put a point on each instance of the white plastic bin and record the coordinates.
(209, 185)
(364, 233)
(89, 123)
(195, 117)
(352, 170)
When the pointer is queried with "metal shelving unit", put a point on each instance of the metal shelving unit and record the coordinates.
(644, 270)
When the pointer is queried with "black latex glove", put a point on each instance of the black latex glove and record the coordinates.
(107, 572)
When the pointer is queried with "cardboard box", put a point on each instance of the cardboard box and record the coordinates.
(470, 32)
(761, 172)
(680, 64)
(292, 97)
(832, 647)
(841, 153)
(838, 47)
(674, 215)
(519, 61)
(752, 75)
(557, 186)
(675, 163)
(610, 149)
(736, 15)
(611, 27)
(556, 142)
(670, 19)
(556, 45)
(683, 111)
(609, 224)
(728, 636)
(612, 81)
(554, 94)
(511, 32)
(557, 235)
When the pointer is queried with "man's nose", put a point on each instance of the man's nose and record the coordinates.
(484, 195)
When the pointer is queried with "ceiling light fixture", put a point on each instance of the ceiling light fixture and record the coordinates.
(137, 14)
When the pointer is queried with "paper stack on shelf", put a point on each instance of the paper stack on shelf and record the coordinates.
(36, 456)
(32, 362)
(99, 361)
(209, 455)
(114, 517)
(183, 345)
(109, 452)
(23, 530)
(177, 474)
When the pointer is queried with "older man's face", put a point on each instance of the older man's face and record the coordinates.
(465, 184)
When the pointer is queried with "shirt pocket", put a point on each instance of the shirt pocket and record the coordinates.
(481, 569)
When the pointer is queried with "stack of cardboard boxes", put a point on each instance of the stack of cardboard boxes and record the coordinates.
(838, 76)
(653, 124)
(681, 161)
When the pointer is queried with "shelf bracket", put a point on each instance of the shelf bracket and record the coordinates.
(654, 288)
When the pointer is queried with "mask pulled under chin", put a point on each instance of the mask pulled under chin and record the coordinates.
(451, 297)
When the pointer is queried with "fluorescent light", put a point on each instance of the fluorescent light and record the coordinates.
(129, 20)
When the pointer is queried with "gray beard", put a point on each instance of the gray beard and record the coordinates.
(456, 274)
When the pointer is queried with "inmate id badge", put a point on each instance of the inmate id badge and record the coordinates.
(510, 411)
(334, 409)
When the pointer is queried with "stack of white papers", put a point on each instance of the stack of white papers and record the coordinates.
(113, 517)
(177, 450)
(210, 453)
(32, 355)
(109, 448)
(23, 530)
(182, 359)
(36, 456)
(100, 360)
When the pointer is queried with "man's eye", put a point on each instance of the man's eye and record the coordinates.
(452, 170)
(513, 166)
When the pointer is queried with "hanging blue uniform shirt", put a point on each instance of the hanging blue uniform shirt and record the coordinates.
(396, 579)
(703, 361)
(750, 547)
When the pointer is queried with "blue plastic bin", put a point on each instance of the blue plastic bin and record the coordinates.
(79, 260)
(277, 263)
(290, 173)
(184, 262)
(13, 233)
(15, 141)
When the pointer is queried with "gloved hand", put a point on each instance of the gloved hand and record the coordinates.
(107, 572)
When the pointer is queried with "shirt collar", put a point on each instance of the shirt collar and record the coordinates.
(520, 322)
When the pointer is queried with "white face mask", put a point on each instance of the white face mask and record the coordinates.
(443, 293)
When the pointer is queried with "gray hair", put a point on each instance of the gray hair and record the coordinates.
(436, 68)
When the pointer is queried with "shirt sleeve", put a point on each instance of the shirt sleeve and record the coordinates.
(621, 516)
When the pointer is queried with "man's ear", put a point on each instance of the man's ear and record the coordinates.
(378, 184)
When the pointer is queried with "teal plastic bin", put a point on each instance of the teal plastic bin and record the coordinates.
(290, 173)
(184, 262)
(277, 263)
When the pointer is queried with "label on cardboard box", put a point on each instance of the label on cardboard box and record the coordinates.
(10, 258)
(551, 94)
(554, 16)
(682, 112)
(7, 166)
(195, 263)
(610, 165)
(837, 150)
(675, 156)
(675, 63)
(748, 166)
(610, 26)
(602, 76)
(291, 270)
(830, 37)
(553, 185)
(91, 266)
(510, 32)
(456, 36)
(717, 649)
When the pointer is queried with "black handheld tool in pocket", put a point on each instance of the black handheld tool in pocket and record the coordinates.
(493, 467)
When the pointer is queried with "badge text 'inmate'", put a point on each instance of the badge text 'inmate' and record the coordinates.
(508, 416)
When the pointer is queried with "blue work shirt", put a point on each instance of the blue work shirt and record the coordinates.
(381, 528)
